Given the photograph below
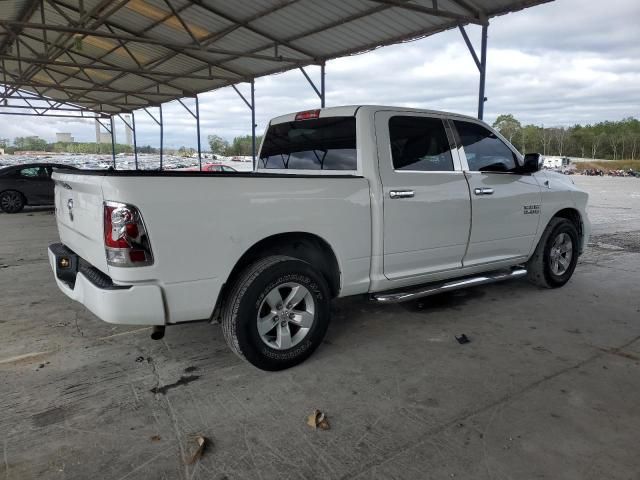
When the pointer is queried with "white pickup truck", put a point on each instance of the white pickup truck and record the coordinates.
(392, 202)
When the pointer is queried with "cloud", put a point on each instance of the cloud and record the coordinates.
(565, 62)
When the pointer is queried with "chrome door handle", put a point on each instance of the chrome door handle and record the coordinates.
(401, 194)
(483, 191)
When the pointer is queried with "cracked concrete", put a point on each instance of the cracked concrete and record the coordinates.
(547, 388)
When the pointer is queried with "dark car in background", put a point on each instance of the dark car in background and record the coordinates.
(29, 184)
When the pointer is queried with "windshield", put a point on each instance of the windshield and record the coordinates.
(317, 144)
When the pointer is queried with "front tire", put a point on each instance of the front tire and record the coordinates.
(277, 312)
(11, 201)
(556, 255)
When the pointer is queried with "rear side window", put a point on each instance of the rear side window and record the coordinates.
(318, 144)
(419, 143)
(485, 152)
(34, 172)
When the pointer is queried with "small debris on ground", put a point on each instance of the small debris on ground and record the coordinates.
(319, 420)
(462, 339)
(202, 443)
(42, 365)
(182, 381)
(156, 438)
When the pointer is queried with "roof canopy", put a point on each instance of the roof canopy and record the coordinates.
(113, 56)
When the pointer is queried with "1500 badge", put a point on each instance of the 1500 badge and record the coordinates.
(531, 209)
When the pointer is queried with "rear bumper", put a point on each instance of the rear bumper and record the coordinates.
(128, 305)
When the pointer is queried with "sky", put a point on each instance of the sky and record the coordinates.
(566, 62)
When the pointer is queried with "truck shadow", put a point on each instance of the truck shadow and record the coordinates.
(444, 301)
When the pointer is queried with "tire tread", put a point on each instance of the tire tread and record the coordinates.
(536, 264)
(236, 294)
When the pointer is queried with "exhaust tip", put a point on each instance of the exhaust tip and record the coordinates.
(158, 332)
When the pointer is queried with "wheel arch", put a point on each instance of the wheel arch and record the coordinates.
(306, 246)
(574, 216)
(14, 190)
(24, 197)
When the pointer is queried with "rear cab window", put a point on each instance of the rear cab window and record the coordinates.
(321, 144)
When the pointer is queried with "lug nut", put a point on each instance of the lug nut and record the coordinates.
(279, 306)
(292, 316)
(289, 306)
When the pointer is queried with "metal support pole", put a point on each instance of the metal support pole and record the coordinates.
(161, 135)
(252, 107)
(322, 85)
(253, 122)
(198, 130)
(113, 141)
(483, 72)
(135, 144)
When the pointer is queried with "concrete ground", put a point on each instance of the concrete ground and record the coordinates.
(549, 386)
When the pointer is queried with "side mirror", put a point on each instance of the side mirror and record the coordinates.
(532, 163)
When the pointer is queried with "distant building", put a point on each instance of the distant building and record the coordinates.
(128, 131)
(105, 137)
(64, 137)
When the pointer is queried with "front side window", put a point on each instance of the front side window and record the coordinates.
(419, 144)
(317, 144)
(485, 152)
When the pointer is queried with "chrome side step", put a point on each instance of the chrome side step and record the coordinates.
(397, 296)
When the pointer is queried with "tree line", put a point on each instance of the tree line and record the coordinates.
(604, 140)
(37, 144)
(613, 140)
(239, 146)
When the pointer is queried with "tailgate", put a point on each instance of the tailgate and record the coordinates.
(79, 214)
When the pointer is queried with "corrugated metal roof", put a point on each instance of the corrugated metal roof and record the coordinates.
(114, 56)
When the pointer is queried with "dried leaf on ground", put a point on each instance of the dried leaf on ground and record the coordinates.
(202, 443)
(319, 420)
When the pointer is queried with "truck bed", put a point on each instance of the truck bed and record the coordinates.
(200, 225)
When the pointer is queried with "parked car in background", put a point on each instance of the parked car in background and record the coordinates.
(212, 167)
(28, 184)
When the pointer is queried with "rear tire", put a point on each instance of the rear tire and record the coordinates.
(556, 255)
(277, 312)
(11, 201)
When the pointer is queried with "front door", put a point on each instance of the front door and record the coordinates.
(426, 199)
(505, 204)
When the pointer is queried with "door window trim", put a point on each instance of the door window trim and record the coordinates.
(457, 165)
(462, 154)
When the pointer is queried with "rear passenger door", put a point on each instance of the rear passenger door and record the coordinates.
(504, 202)
(426, 205)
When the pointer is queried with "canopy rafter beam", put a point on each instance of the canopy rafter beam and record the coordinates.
(180, 47)
(434, 12)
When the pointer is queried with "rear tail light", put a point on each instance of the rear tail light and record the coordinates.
(125, 237)
(308, 115)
